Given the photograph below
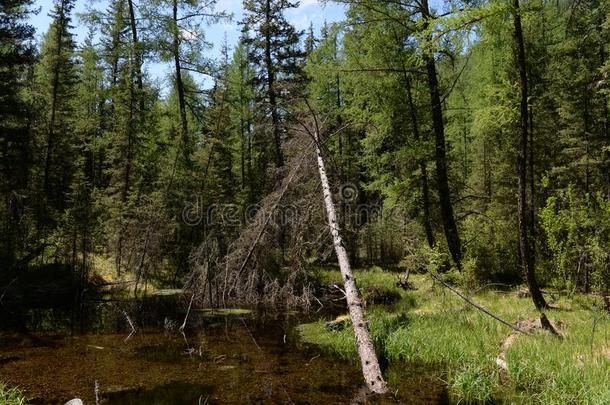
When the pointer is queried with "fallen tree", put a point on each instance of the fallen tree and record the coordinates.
(256, 270)
(368, 358)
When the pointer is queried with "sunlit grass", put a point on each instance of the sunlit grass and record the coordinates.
(11, 396)
(432, 326)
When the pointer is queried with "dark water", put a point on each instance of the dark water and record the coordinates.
(54, 355)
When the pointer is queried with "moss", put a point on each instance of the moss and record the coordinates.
(339, 323)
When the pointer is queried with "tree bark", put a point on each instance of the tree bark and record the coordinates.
(532, 186)
(186, 147)
(370, 365)
(524, 228)
(422, 167)
(444, 193)
(137, 52)
(275, 120)
(54, 96)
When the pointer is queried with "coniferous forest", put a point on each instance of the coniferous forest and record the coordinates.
(413, 202)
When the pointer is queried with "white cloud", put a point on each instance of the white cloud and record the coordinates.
(188, 35)
(305, 14)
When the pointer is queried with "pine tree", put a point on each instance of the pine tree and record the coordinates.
(179, 38)
(275, 53)
(79, 222)
(241, 96)
(17, 55)
(57, 71)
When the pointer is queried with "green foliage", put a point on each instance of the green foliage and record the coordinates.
(474, 384)
(432, 327)
(11, 396)
(16, 57)
(578, 228)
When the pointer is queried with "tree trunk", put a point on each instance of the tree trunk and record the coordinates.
(524, 231)
(249, 156)
(137, 53)
(54, 96)
(422, 167)
(532, 185)
(370, 366)
(275, 120)
(447, 215)
(242, 152)
(186, 147)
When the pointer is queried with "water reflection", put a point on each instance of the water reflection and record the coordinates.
(222, 357)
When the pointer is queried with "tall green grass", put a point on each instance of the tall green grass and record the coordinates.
(11, 396)
(432, 326)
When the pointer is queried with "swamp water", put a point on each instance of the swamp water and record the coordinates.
(222, 357)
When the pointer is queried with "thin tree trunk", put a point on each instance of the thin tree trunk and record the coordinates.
(532, 181)
(242, 152)
(275, 121)
(605, 125)
(524, 232)
(54, 96)
(137, 52)
(444, 193)
(370, 365)
(186, 148)
(249, 155)
(422, 167)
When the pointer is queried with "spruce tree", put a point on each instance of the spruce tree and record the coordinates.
(275, 52)
(57, 82)
(17, 54)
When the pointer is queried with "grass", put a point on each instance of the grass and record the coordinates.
(432, 326)
(11, 396)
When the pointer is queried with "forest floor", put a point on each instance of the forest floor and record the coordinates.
(434, 327)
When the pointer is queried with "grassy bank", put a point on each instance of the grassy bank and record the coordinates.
(434, 327)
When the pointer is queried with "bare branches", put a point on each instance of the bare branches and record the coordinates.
(474, 304)
(133, 328)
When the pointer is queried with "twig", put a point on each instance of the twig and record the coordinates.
(6, 289)
(277, 202)
(133, 329)
(320, 303)
(250, 333)
(477, 306)
(181, 329)
(340, 289)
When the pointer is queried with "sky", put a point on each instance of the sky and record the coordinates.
(308, 12)
(314, 12)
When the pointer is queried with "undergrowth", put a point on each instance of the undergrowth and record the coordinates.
(434, 327)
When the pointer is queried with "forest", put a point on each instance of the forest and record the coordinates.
(413, 202)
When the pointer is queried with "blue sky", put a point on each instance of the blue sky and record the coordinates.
(309, 11)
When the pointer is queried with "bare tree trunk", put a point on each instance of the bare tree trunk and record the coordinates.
(444, 193)
(524, 229)
(370, 365)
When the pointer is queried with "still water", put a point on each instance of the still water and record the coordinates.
(222, 357)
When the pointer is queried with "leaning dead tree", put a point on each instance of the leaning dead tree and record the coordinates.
(368, 358)
(256, 269)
